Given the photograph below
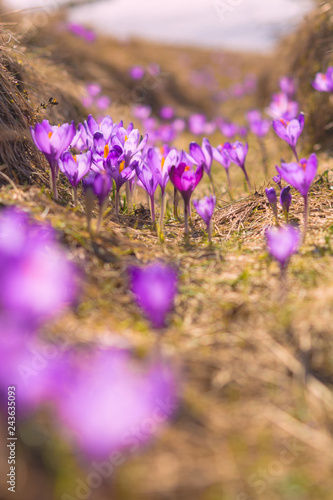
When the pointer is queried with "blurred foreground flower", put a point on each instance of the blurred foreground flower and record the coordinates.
(36, 278)
(282, 243)
(113, 405)
(37, 370)
(154, 287)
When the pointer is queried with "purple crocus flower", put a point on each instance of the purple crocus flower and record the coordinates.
(324, 81)
(282, 107)
(75, 168)
(205, 208)
(141, 112)
(287, 86)
(102, 187)
(229, 130)
(53, 142)
(282, 243)
(167, 113)
(290, 131)
(36, 279)
(258, 125)
(79, 30)
(221, 156)
(179, 124)
(237, 153)
(272, 200)
(82, 141)
(285, 200)
(93, 89)
(159, 164)
(130, 141)
(154, 287)
(149, 180)
(106, 127)
(185, 179)
(119, 172)
(202, 155)
(277, 179)
(87, 101)
(137, 72)
(100, 151)
(209, 128)
(301, 175)
(114, 403)
(103, 102)
(196, 124)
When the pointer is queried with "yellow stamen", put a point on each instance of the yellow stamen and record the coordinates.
(121, 166)
(106, 150)
(50, 134)
(162, 162)
(75, 159)
(126, 138)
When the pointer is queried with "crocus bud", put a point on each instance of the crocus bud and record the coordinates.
(277, 179)
(272, 199)
(285, 200)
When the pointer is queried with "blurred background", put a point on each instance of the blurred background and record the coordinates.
(231, 24)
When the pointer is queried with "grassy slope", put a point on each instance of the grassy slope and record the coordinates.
(258, 369)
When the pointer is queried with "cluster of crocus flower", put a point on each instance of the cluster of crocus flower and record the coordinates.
(102, 400)
(105, 154)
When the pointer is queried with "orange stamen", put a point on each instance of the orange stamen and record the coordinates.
(106, 151)
(50, 134)
(187, 168)
(121, 166)
(162, 162)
